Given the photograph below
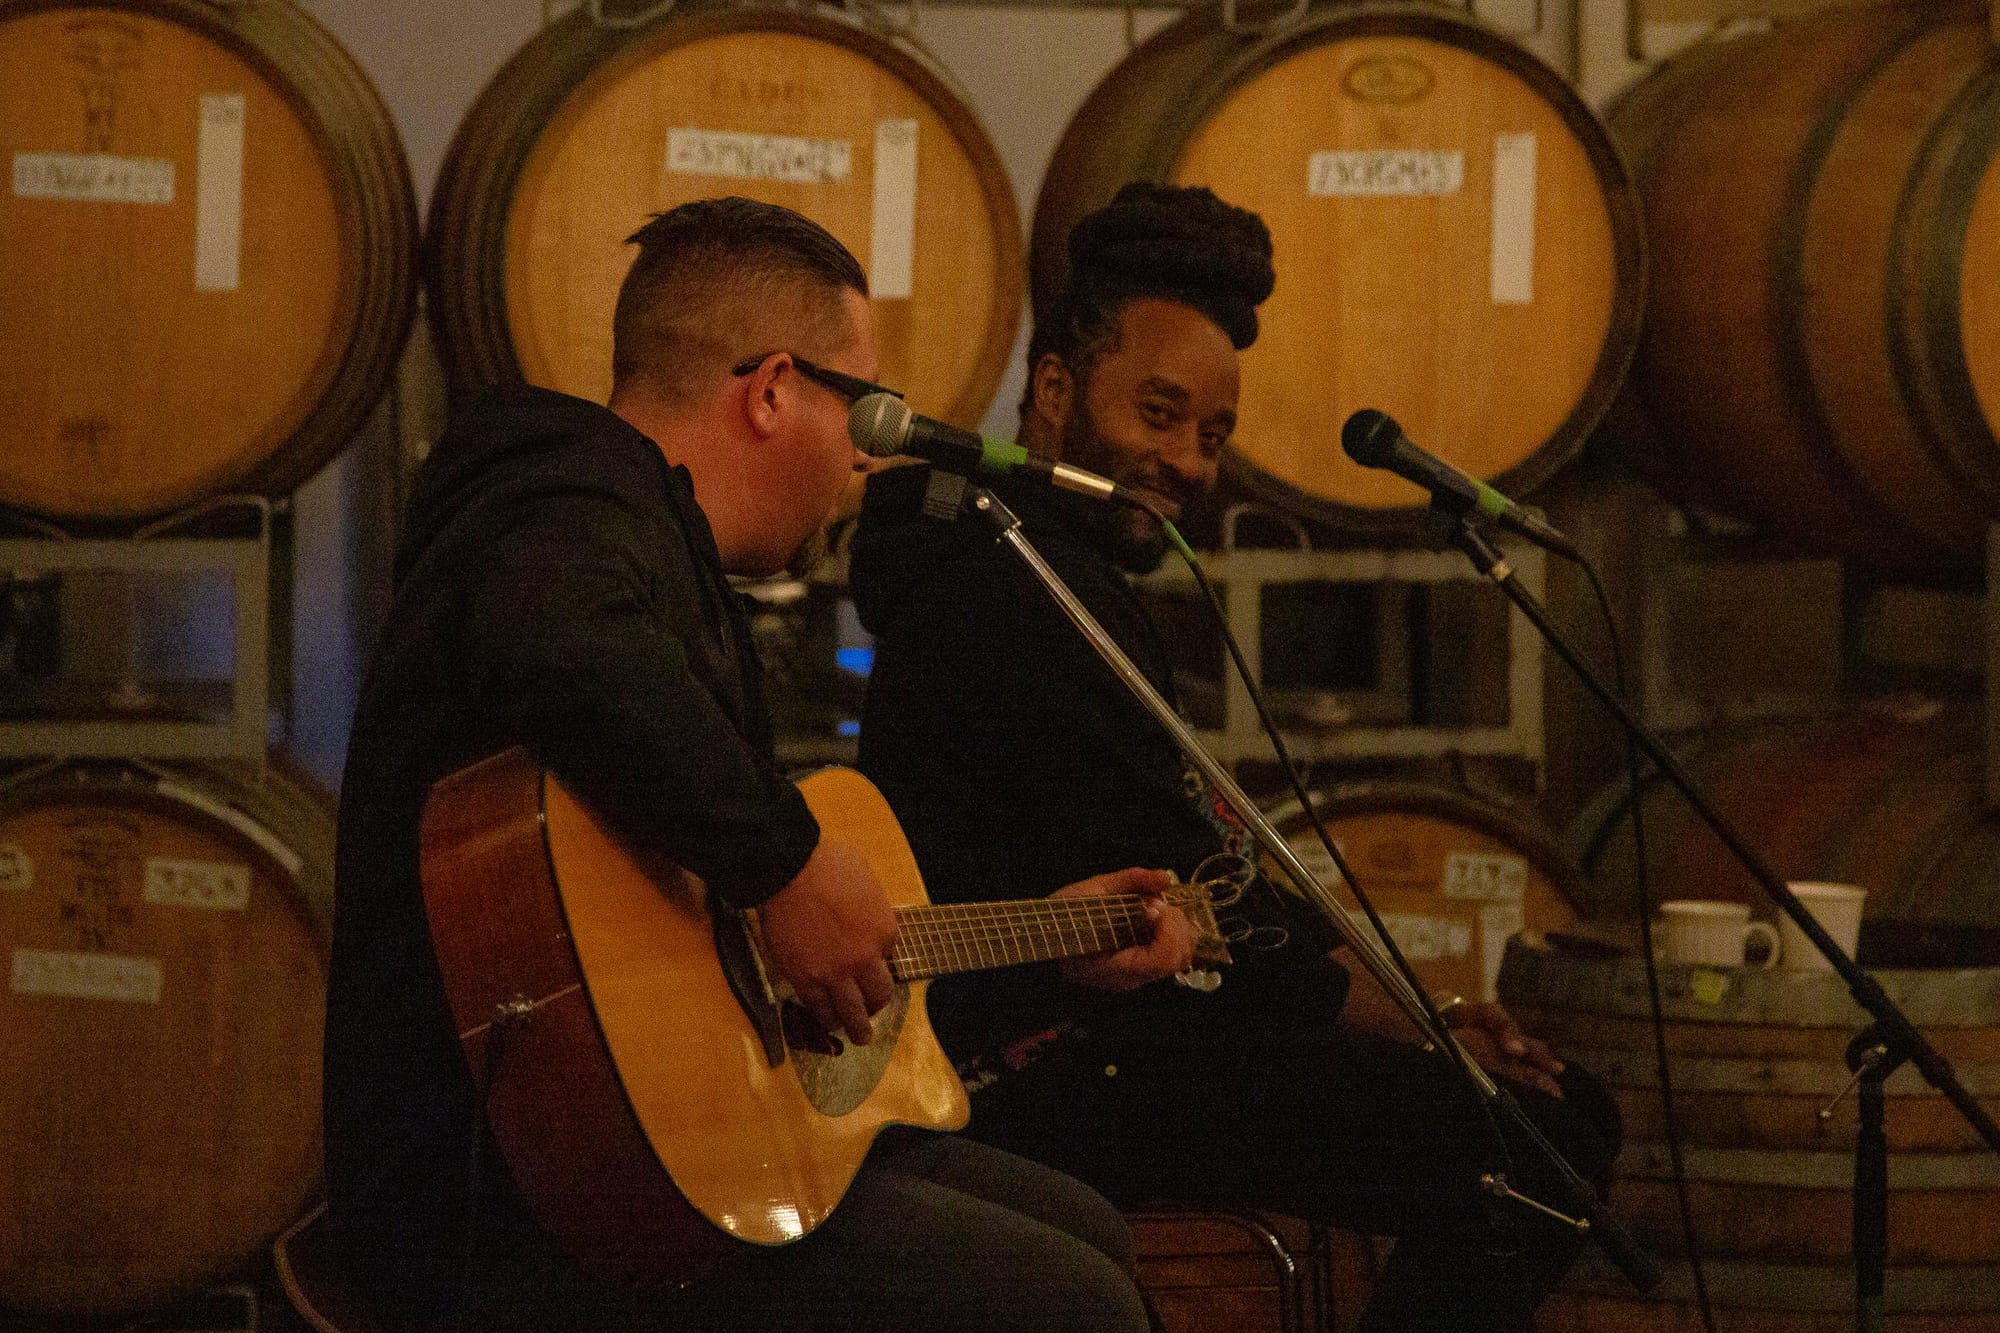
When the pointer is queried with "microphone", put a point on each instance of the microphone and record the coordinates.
(883, 426)
(1373, 439)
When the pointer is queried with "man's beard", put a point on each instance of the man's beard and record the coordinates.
(1132, 538)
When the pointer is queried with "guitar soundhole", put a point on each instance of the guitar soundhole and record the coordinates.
(835, 1074)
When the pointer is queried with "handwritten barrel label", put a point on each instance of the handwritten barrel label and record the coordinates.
(759, 157)
(1307, 848)
(17, 870)
(1422, 938)
(1384, 172)
(1485, 876)
(86, 976)
(205, 884)
(100, 178)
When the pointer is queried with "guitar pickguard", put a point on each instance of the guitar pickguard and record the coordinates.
(835, 1074)
(836, 1084)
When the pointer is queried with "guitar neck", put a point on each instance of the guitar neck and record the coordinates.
(938, 939)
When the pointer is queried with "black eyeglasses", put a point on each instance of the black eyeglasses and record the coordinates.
(851, 387)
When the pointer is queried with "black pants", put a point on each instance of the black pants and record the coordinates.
(936, 1233)
(1372, 1135)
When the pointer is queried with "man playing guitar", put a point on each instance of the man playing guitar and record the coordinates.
(560, 587)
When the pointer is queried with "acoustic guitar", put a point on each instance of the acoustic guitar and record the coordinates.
(657, 1099)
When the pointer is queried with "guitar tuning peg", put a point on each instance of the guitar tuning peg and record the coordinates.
(1226, 876)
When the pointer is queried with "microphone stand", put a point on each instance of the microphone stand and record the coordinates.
(1584, 1210)
(1876, 1051)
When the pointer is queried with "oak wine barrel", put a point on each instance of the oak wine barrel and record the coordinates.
(1890, 797)
(1754, 1055)
(1822, 345)
(209, 245)
(164, 935)
(589, 129)
(1455, 874)
(1457, 242)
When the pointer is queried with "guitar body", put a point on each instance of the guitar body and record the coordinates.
(636, 1071)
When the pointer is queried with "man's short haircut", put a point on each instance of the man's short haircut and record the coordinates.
(1173, 243)
(717, 280)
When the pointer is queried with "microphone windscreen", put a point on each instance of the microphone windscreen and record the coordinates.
(879, 424)
(1370, 436)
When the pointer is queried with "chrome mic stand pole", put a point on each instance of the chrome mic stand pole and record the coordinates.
(1585, 1210)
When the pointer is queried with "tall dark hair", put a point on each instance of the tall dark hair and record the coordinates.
(1175, 243)
(707, 264)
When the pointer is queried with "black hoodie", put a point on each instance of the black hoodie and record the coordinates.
(556, 587)
(1018, 763)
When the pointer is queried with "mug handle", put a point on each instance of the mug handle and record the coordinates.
(1770, 934)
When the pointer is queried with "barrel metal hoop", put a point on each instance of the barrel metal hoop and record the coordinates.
(1931, 317)
(1789, 292)
(1283, 21)
(604, 18)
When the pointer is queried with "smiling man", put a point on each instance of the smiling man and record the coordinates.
(1017, 763)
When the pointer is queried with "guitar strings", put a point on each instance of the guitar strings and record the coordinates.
(938, 938)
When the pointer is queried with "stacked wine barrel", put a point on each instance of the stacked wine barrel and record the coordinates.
(589, 129)
(210, 255)
(1820, 354)
(210, 246)
(1457, 243)
(1754, 1056)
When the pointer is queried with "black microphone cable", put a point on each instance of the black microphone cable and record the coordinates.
(1670, 1119)
(1297, 782)
(1669, 1116)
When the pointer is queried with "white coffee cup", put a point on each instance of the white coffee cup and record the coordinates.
(1710, 933)
(1837, 908)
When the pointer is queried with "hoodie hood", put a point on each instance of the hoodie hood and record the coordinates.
(897, 548)
(510, 440)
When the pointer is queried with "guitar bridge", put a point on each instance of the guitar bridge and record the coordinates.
(743, 968)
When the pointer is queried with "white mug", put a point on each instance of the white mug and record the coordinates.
(1837, 908)
(1710, 933)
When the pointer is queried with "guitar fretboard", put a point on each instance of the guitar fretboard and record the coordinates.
(938, 939)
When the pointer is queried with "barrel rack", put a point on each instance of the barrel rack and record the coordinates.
(1242, 575)
(247, 538)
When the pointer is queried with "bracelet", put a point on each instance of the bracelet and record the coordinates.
(1448, 1006)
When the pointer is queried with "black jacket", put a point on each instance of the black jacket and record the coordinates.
(1018, 763)
(556, 587)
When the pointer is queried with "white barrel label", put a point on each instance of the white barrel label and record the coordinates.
(1485, 876)
(218, 195)
(86, 976)
(759, 157)
(101, 178)
(17, 870)
(893, 238)
(1513, 219)
(1384, 172)
(1422, 938)
(205, 884)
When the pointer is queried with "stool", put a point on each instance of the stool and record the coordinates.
(309, 1271)
(1197, 1279)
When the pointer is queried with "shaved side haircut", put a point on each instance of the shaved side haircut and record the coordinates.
(720, 280)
